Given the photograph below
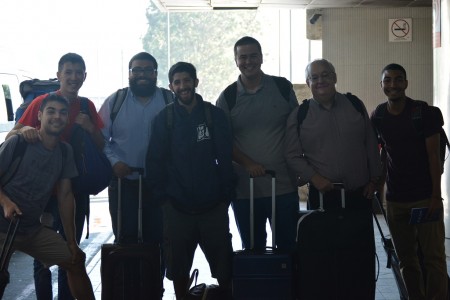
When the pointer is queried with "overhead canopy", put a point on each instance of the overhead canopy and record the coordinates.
(200, 5)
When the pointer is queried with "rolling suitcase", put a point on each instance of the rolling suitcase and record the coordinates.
(392, 259)
(333, 244)
(6, 254)
(265, 275)
(131, 271)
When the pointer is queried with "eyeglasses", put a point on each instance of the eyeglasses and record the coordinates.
(325, 76)
(145, 71)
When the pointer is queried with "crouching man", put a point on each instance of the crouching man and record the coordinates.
(25, 191)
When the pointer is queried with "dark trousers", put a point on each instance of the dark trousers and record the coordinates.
(287, 206)
(42, 275)
(151, 215)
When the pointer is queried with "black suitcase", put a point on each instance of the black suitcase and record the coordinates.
(265, 275)
(5, 256)
(329, 242)
(131, 271)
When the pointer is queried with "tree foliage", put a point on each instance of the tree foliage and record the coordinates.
(205, 39)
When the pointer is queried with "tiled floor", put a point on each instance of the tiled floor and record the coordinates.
(22, 287)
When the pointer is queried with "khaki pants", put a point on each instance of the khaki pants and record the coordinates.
(406, 240)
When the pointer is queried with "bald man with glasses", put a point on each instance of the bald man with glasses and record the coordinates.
(329, 140)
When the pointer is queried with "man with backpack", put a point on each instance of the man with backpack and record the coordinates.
(257, 106)
(330, 141)
(128, 115)
(24, 193)
(190, 173)
(410, 137)
(71, 74)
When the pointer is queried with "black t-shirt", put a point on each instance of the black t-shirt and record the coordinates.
(408, 175)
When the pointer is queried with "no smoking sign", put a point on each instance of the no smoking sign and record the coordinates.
(400, 30)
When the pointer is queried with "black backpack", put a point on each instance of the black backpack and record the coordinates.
(94, 168)
(416, 118)
(284, 86)
(30, 89)
(303, 109)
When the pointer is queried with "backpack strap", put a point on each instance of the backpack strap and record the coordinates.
(208, 118)
(208, 115)
(167, 95)
(301, 114)
(170, 111)
(121, 94)
(84, 106)
(417, 115)
(356, 102)
(444, 140)
(284, 86)
(377, 118)
(230, 94)
(19, 151)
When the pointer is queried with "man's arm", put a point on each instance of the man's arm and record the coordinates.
(158, 152)
(383, 158)
(14, 131)
(373, 156)
(9, 207)
(223, 147)
(120, 169)
(253, 168)
(432, 146)
(30, 134)
(293, 154)
(66, 207)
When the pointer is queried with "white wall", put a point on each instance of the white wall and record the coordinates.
(442, 93)
(356, 41)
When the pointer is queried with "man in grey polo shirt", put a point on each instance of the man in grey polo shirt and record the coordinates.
(258, 106)
(334, 142)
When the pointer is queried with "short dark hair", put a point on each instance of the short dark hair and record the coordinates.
(182, 66)
(394, 67)
(72, 58)
(143, 56)
(247, 40)
(53, 97)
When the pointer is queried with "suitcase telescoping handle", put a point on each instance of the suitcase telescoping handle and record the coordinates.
(9, 240)
(140, 171)
(336, 185)
(380, 205)
(252, 209)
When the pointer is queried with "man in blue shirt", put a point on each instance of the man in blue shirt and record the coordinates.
(127, 138)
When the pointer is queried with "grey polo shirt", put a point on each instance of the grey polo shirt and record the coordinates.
(339, 144)
(258, 122)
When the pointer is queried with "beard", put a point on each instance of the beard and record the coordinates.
(142, 90)
(187, 101)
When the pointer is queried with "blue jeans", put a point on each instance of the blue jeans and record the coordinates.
(286, 206)
(42, 275)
